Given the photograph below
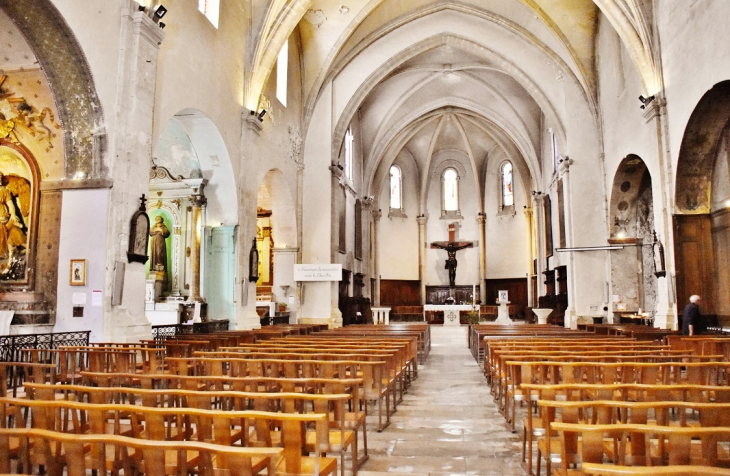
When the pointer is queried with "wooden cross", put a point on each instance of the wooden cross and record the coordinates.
(451, 247)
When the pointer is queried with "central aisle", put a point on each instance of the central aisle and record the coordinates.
(448, 422)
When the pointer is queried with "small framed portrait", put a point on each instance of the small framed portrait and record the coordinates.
(503, 296)
(78, 272)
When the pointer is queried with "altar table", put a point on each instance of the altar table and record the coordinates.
(451, 312)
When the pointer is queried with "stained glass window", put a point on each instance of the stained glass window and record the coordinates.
(396, 191)
(451, 190)
(508, 197)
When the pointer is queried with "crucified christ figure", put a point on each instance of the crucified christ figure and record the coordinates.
(451, 248)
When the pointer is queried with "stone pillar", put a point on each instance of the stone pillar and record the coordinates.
(537, 198)
(284, 285)
(246, 316)
(530, 257)
(140, 39)
(199, 201)
(665, 316)
(421, 219)
(564, 172)
(337, 186)
(377, 215)
(482, 221)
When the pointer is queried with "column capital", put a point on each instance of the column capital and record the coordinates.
(337, 171)
(377, 215)
(252, 121)
(528, 212)
(367, 203)
(654, 109)
(564, 165)
(421, 219)
(537, 197)
(146, 28)
(481, 218)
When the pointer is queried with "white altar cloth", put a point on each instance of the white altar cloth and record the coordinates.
(451, 312)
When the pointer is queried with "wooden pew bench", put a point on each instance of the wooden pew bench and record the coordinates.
(73, 455)
(247, 428)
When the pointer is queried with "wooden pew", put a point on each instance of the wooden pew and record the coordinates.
(674, 444)
(66, 454)
(334, 405)
(249, 428)
(599, 469)
(623, 412)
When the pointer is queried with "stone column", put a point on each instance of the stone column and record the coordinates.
(564, 172)
(530, 257)
(377, 215)
(537, 198)
(482, 221)
(421, 219)
(655, 115)
(198, 201)
(139, 43)
(246, 316)
(337, 179)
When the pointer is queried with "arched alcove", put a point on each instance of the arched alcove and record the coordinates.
(632, 225)
(276, 241)
(192, 186)
(700, 222)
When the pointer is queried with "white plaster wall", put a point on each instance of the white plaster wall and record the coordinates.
(83, 230)
(694, 57)
(398, 237)
(508, 238)
(467, 271)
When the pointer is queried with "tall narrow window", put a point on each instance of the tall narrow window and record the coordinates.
(450, 181)
(396, 191)
(349, 141)
(554, 141)
(210, 9)
(282, 70)
(508, 197)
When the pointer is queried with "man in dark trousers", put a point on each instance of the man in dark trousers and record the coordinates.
(691, 316)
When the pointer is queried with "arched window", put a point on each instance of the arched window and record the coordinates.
(210, 9)
(349, 140)
(508, 196)
(396, 190)
(282, 71)
(450, 187)
(556, 154)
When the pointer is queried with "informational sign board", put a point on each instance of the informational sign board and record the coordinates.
(317, 272)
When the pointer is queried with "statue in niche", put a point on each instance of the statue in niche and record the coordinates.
(158, 246)
(14, 207)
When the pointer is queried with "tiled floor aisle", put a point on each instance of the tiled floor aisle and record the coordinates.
(448, 422)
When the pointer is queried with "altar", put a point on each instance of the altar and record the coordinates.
(451, 312)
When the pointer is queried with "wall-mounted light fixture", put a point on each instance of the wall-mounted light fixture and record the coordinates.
(261, 115)
(645, 101)
(158, 12)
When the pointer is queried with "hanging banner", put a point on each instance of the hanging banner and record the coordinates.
(317, 272)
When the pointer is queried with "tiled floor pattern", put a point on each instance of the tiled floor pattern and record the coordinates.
(447, 423)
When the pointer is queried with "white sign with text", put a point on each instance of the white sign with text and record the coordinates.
(317, 272)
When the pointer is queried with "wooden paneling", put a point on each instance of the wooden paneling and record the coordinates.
(516, 287)
(395, 292)
(695, 265)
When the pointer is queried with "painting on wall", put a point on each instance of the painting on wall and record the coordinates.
(78, 272)
(16, 211)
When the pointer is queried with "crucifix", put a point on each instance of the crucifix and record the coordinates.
(451, 247)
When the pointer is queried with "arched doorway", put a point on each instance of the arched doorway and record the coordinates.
(193, 198)
(633, 278)
(276, 242)
(702, 219)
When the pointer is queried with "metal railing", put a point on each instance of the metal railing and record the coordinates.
(160, 333)
(11, 345)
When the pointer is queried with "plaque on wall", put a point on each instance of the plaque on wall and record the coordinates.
(139, 231)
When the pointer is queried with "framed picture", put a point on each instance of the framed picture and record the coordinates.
(78, 272)
(503, 296)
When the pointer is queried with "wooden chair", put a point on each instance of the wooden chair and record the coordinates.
(67, 454)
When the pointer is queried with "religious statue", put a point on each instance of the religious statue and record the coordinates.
(158, 247)
(14, 204)
(451, 247)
